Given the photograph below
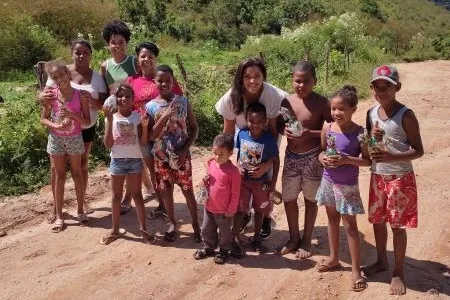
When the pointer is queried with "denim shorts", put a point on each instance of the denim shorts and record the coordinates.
(124, 166)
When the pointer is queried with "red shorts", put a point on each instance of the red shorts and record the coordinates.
(393, 199)
(261, 202)
(166, 177)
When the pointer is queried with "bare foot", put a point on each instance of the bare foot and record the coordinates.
(287, 248)
(375, 268)
(303, 253)
(397, 287)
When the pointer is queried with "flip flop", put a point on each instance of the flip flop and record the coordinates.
(322, 267)
(355, 287)
(58, 226)
(83, 219)
(109, 238)
(204, 253)
(147, 237)
(170, 236)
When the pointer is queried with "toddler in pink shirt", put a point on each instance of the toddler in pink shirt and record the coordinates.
(223, 183)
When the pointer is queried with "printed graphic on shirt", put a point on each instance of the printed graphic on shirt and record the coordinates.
(125, 134)
(250, 154)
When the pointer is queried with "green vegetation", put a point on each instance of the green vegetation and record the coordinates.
(211, 37)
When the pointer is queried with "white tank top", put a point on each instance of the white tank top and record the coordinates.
(393, 127)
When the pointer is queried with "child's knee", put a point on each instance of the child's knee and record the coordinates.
(399, 231)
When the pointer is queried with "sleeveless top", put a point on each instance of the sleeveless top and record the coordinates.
(73, 105)
(174, 133)
(96, 86)
(393, 127)
(125, 136)
(119, 71)
(347, 144)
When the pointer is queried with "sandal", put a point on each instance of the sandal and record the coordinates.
(157, 212)
(322, 267)
(147, 237)
(359, 285)
(111, 237)
(58, 226)
(83, 219)
(236, 251)
(204, 253)
(258, 246)
(170, 236)
(124, 208)
(221, 257)
(148, 197)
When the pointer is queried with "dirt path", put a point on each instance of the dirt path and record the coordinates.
(37, 264)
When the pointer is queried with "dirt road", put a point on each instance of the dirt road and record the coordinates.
(38, 264)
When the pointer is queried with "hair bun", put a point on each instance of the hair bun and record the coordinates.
(350, 88)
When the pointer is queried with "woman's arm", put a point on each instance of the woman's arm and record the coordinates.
(229, 126)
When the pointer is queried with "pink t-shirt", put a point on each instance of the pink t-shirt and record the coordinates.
(145, 89)
(73, 105)
(224, 187)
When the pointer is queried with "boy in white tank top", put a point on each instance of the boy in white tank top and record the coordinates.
(393, 191)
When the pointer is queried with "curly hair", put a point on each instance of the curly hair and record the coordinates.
(116, 27)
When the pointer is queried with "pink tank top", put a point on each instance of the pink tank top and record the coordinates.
(73, 105)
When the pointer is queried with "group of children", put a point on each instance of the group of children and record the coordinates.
(391, 141)
(167, 125)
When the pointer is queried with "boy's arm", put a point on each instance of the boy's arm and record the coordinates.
(276, 169)
(326, 116)
(235, 193)
(411, 127)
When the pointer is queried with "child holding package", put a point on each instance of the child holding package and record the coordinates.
(393, 191)
(64, 118)
(339, 190)
(256, 147)
(223, 182)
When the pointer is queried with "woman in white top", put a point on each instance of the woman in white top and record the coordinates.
(249, 86)
(82, 77)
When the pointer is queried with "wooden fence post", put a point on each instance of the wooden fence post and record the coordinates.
(262, 57)
(183, 74)
(327, 60)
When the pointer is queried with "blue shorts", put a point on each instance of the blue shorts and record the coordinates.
(124, 166)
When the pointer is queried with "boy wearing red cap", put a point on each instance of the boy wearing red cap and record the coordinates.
(393, 191)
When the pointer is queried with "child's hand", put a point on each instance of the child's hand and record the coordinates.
(259, 170)
(325, 161)
(337, 160)
(377, 132)
(229, 214)
(382, 155)
(169, 111)
(205, 181)
(289, 134)
(46, 97)
(85, 95)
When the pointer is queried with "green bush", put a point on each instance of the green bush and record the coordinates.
(23, 44)
(24, 163)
